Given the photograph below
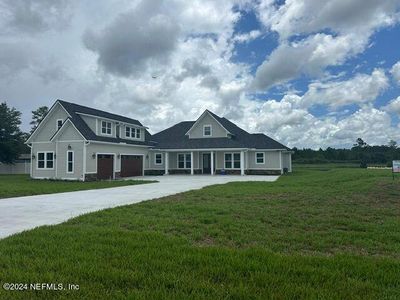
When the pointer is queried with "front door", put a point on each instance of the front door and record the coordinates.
(105, 166)
(206, 163)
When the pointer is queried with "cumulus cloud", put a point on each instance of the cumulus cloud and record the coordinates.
(296, 17)
(144, 35)
(32, 16)
(309, 56)
(360, 89)
(351, 22)
(395, 71)
(247, 37)
(288, 122)
(393, 106)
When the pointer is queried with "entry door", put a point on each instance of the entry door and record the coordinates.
(206, 163)
(105, 166)
(131, 165)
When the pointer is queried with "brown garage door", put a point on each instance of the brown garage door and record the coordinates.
(105, 166)
(131, 165)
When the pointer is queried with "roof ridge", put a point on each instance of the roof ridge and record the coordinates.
(96, 110)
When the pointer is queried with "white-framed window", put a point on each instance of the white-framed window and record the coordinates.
(207, 130)
(260, 158)
(106, 127)
(45, 160)
(132, 132)
(158, 159)
(184, 161)
(59, 123)
(70, 161)
(232, 160)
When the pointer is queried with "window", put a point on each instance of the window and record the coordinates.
(207, 130)
(106, 127)
(184, 161)
(158, 159)
(45, 160)
(59, 124)
(260, 158)
(41, 160)
(131, 132)
(70, 161)
(232, 160)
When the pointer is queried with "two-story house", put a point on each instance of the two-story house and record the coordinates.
(82, 143)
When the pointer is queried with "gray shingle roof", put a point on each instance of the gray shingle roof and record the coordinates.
(73, 110)
(175, 138)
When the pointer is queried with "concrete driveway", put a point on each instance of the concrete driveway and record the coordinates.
(23, 213)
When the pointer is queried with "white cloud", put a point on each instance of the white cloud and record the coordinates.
(360, 89)
(393, 106)
(395, 71)
(247, 37)
(296, 17)
(286, 121)
(309, 56)
(351, 22)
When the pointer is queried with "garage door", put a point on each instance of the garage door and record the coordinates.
(131, 165)
(105, 166)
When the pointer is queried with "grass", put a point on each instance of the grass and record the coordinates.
(23, 185)
(325, 232)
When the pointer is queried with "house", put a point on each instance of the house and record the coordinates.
(81, 143)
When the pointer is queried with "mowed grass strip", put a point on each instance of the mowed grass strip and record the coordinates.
(323, 233)
(23, 185)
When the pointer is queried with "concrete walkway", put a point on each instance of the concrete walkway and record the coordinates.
(23, 213)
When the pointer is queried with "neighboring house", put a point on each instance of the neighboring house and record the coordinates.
(20, 166)
(82, 143)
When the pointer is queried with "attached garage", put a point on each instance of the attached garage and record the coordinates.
(105, 166)
(131, 165)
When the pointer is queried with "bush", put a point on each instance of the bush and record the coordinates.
(363, 164)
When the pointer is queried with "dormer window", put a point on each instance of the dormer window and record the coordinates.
(59, 124)
(106, 127)
(131, 132)
(207, 130)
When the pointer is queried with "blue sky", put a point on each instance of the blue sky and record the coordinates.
(309, 73)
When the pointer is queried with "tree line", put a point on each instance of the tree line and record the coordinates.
(361, 153)
(12, 138)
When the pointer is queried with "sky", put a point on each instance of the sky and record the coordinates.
(308, 73)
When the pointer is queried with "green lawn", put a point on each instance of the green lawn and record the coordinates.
(22, 185)
(320, 233)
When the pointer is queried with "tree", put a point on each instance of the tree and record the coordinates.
(392, 144)
(11, 137)
(360, 143)
(38, 116)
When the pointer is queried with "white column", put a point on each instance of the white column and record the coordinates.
(212, 162)
(166, 163)
(280, 161)
(241, 162)
(290, 162)
(191, 163)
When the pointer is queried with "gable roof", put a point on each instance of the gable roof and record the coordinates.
(175, 138)
(216, 118)
(74, 110)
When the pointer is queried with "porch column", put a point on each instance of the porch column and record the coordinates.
(166, 163)
(280, 161)
(241, 162)
(191, 163)
(212, 162)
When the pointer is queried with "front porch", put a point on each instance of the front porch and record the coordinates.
(198, 162)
